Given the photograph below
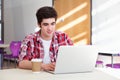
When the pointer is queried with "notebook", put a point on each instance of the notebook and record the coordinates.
(75, 59)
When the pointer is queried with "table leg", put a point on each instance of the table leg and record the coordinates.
(1, 61)
(112, 61)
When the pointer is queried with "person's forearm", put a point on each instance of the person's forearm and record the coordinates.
(25, 64)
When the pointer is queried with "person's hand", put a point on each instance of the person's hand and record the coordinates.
(48, 67)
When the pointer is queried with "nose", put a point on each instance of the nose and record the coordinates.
(49, 27)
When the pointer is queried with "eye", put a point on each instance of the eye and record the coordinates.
(53, 23)
(45, 24)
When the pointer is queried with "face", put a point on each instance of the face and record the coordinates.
(47, 28)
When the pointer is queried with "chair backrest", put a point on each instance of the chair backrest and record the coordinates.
(1, 42)
(15, 48)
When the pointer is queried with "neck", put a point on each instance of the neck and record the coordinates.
(47, 38)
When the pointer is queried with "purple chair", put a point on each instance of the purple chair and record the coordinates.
(115, 65)
(15, 49)
(99, 63)
(1, 42)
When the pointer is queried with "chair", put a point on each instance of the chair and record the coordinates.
(99, 63)
(115, 65)
(14, 48)
(1, 42)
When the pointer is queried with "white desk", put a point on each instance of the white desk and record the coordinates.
(112, 54)
(2, 46)
(21, 74)
(111, 71)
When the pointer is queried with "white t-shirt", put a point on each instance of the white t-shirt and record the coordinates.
(46, 45)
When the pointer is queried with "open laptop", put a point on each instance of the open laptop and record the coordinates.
(74, 59)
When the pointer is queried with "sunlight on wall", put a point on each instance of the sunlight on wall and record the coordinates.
(81, 42)
(73, 23)
(72, 12)
(79, 35)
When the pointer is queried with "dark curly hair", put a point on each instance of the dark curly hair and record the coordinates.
(46, 12)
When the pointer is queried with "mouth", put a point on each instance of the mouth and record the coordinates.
(49, 32)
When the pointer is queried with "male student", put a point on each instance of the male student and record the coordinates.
(45, 43)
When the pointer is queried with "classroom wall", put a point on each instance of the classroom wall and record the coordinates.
(20, 20)
(74, 19)
(106, 24)
(19, 17)
(106, 27)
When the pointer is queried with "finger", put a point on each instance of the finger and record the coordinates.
(52, 67)
(54, 63)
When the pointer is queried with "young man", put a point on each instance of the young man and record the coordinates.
(45, 43)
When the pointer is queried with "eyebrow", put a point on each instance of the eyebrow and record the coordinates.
(50, 23)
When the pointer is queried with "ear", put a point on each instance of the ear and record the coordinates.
(39, 25)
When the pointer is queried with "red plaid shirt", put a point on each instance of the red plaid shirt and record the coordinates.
(32, 46)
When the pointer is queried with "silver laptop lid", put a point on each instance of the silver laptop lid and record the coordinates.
(73, 59)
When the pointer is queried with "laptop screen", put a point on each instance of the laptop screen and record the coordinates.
(72, 59)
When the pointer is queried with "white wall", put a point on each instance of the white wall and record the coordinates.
(106, 24)
(106, 27)
(20, 19)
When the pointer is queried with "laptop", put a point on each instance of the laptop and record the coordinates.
(75, 59)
